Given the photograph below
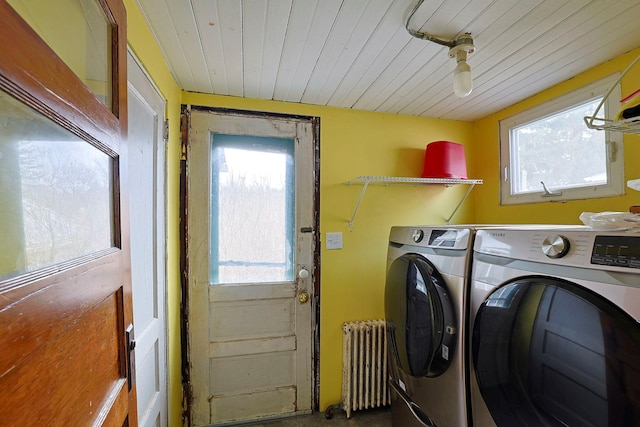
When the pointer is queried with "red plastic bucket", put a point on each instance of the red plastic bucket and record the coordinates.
(444, 159)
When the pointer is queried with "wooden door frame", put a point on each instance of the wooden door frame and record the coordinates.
(184, 264)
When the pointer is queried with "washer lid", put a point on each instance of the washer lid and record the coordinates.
(420, 317)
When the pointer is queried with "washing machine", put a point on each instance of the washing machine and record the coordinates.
(553, 328)
(425, 294)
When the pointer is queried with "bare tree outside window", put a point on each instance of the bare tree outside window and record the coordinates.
(251, 212)
(560, 151)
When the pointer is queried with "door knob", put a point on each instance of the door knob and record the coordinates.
(303, 297)
(303, 273)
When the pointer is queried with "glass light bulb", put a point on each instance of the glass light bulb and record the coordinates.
(462, 82)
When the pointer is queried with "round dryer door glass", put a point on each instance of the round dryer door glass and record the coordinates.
(551, 353)
(420, 317)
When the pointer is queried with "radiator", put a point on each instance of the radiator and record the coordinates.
(364, 369)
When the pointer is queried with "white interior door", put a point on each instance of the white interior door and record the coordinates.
(147, 205)
(251, 266)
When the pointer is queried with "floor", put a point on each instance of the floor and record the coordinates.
(367, 418)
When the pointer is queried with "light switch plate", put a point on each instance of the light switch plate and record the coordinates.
(334, 240)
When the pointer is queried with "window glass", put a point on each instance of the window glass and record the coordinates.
(55, 192)
(542, 150)
(252, 209)
(79, 33)
(548, 153)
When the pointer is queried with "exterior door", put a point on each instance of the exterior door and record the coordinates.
(251, 240)
(147, 210)
(65, 289)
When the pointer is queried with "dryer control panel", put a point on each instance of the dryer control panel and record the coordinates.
(619, 251)
(585, 248)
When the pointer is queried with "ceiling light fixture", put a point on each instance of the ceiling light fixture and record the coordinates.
(459, 48)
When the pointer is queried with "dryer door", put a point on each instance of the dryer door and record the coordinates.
(548, 352)
(420, 317)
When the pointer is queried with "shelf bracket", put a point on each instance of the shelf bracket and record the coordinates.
(355, 210)
(473, 184)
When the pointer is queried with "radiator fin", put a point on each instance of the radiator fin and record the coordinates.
(364, 369)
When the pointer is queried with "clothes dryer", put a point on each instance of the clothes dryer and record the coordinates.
(554, 332)
(426, 287)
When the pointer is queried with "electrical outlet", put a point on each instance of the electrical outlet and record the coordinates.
(334, 240)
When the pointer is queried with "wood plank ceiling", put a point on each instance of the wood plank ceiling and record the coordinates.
(357, 53)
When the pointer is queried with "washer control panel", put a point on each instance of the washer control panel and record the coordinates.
(450, 237)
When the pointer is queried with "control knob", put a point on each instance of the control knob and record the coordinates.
(417, 235)
(555, 246)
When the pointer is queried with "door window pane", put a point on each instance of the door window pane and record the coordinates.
(79, 33)
(252, 209)
(55, 192)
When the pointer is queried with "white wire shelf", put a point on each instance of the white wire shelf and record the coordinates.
(365, 181)
(630, 125)
(398, 180)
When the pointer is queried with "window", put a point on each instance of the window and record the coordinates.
(547, 153)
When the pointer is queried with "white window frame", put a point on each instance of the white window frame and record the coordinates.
(615, 163)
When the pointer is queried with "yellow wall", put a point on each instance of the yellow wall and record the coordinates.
(354, 143)
(487, 158)
(363, 143)
(142, 43)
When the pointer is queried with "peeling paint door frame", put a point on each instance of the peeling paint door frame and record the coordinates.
(311, 231)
